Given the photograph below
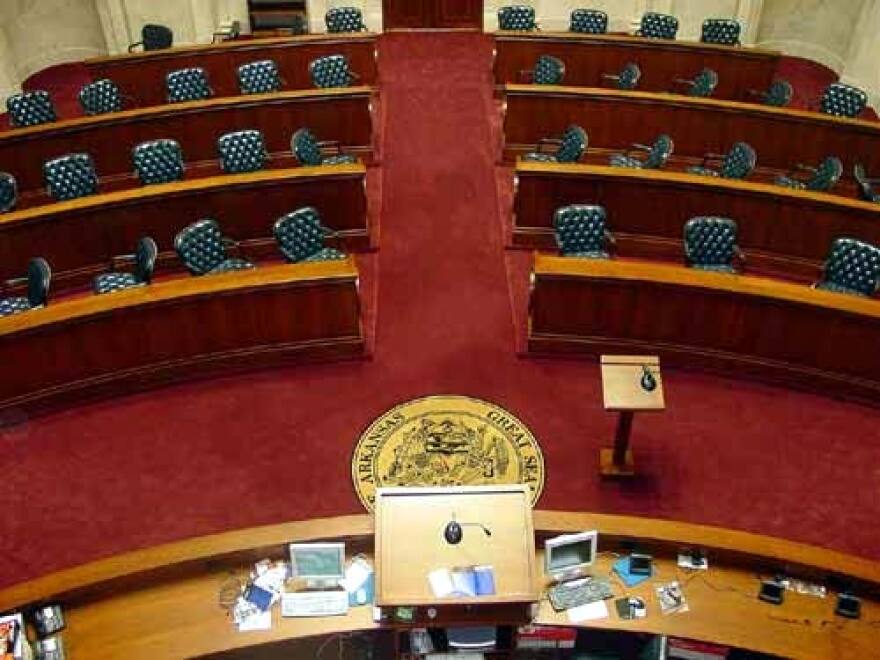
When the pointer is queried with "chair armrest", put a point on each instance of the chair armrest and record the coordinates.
(610, 240)
(635, 146)
(610, 76)
(15, 281)
(330, 145)
(236, 245)
(120, 259)
(133, 46)
(526, 76)
(710, 156)
(740, 255)
(683, 81)
(548, 142)
(757, 93)
(354, 76)
(799, 167)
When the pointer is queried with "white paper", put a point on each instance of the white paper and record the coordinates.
(588, 612)
(441, 582)
(356, 575)
(257, 621)
(686, 561)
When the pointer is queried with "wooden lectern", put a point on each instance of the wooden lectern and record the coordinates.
(623, 392)
(410, 543)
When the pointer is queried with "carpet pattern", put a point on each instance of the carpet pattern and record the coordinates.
(276, 445)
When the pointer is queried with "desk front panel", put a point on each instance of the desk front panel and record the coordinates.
(614, 120)
(141, 76)
(738, 325)
(79, 237)
(781, 231)
(180, 329)
(341, 115)
(588, 57)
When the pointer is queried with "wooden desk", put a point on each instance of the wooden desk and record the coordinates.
(783, 232)
(343, 115)
(162, 601)
(141, 76)
(750, 326)
(78, 237)
(615, 119)
(180, 329)
(588, 56)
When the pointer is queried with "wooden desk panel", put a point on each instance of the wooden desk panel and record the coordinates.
(343, 115)
(782, 231)
(119, 607)
(141, 76)
(588, 56)
(768, 329)
(614, 119)
(78, 237)
(180, 329)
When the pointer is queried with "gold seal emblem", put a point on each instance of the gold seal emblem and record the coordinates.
(446, 441)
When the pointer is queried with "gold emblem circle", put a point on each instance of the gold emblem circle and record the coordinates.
(446, 441)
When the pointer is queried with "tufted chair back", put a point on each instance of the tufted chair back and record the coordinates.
(827, 174)
(305, 147)
(30, 109)
(779, 93)
(704, 84)
(721, 31)
(242, 151)
(8, 192)
(188, 85)
(658, 26)
(590, 21)
(581, 231)
(156, 37)
(574, 144)
(259, 77)
(843, 100)
(330, 71)
(145, 255)
(300, 234)
(100, 97)
(629, 76)
(660, 152)
(158, 161)
(200, 246)
(739, 162)
(344, 19)
(70, 176)
(549, 70)
(852, 266)
(517, 17)
(866, 188)
(710, 243)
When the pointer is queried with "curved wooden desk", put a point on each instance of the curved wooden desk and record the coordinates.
(78, 237)
(615, 119)
(162, 601)
(782, 231)
(180, 329)
(588, 56)
(343, 115)
(141, 76)
(748, 326)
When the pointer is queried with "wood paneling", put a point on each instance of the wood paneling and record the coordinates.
(119, 607)
(343, 115)
(587, 57)
(747, 326)
(78, 237)
(783, 232)
(615, 119)
(415, 14)
(180, 329)
(141, 76)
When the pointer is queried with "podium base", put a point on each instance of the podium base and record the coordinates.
(608, 468)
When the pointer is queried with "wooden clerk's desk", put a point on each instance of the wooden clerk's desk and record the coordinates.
(342, 115)
(141, 76)
(161, 602)
(614, 119)
(588, 56)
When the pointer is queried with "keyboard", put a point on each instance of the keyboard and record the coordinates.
(566, 595)
(314, 603)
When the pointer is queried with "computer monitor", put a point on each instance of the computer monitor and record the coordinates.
(321, 565)
(569, 556)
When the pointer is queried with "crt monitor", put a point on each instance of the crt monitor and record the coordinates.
(319, 564)
(569, 556)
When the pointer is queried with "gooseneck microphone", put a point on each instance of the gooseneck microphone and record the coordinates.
(453, 532)
(648, 382)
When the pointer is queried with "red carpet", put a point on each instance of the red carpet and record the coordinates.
(273, 446)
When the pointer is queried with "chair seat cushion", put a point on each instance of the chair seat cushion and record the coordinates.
(327, 254)
(593, 254)
(622, 160)
(534, 156)
(230, 265)
(702, 171)
(838, 288)
(109, 282)
(715, 268)
(788, 182)
(10, 306)
(341, 159)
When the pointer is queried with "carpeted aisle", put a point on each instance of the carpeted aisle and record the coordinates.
(272, 446)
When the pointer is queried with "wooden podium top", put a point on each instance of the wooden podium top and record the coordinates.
(621, 383)
(410, 543)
